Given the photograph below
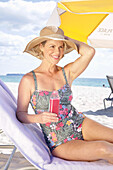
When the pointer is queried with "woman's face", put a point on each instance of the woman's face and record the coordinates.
(53, 50)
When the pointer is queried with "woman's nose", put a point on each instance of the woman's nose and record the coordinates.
(57, 50)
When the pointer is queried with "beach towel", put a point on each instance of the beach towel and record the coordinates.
(29, 140)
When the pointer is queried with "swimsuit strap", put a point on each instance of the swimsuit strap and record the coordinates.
(64, 75)
(35, 80)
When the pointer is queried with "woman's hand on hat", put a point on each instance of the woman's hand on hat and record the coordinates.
(46, 117)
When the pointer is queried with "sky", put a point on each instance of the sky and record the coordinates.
(20, 22)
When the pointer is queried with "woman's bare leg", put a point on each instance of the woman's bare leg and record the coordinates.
(97, 144)
(92, 131)
(80, 150)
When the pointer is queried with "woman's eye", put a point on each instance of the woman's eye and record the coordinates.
(61, 46)
(52, 46)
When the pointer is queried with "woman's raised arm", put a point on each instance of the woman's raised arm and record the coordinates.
(80, 64)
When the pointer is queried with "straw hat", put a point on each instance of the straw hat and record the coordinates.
(48, 32)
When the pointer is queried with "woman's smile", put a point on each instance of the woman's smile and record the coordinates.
(56, 57)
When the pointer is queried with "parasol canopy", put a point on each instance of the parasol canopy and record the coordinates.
(85, 20)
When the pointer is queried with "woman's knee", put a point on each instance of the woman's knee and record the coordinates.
(104, 148)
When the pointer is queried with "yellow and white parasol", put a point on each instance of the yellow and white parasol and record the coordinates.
(85, 20)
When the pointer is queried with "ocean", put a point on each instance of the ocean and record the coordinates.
(94, 82)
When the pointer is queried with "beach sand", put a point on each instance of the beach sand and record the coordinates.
(88, 100)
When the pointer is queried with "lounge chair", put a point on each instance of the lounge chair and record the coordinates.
(29, 140)
(11, 155)
(109, 98)
(5, 88)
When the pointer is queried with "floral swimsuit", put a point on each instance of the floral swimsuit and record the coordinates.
(69, 125)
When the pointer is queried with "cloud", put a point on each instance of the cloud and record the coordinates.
(20, 21)
(23, 18)
(101, 65)
(11, 45)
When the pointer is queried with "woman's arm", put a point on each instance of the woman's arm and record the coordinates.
(23, 101)
(80, 64)
(24, 93)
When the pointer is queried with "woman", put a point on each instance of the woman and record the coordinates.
(70, 135)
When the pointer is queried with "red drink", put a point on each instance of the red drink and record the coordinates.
(54, 106)
(54, 102)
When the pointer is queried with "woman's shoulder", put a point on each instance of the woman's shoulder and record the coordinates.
(26, 85)
(27, 78)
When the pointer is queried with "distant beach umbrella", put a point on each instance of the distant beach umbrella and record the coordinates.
(85, 20)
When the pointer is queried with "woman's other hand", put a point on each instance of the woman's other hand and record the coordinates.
(46, 117)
